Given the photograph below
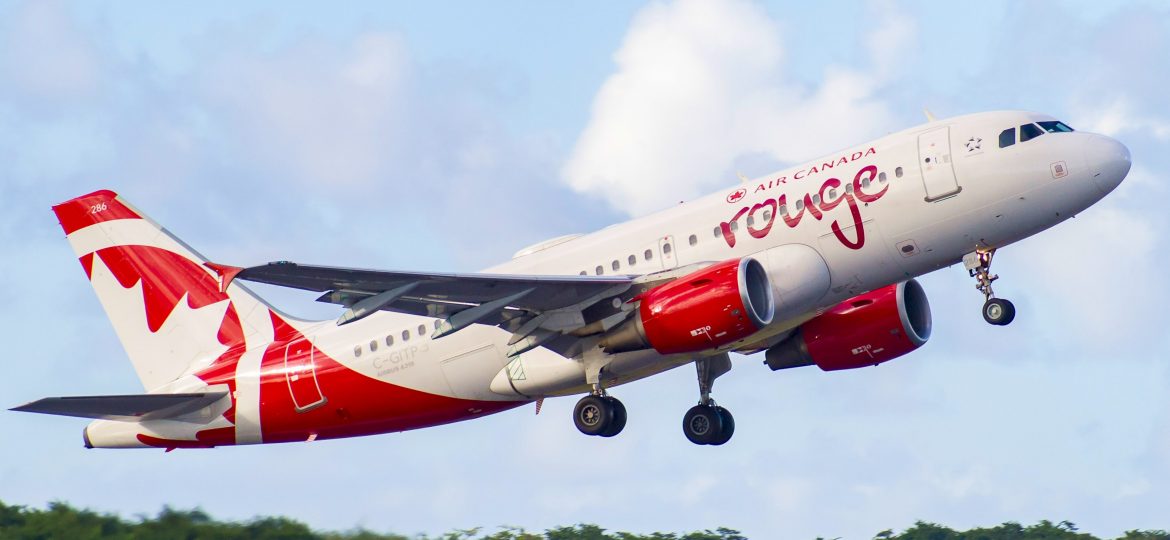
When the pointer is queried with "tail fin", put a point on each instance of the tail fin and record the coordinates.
(167, 305)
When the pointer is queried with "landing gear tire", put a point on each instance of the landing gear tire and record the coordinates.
(999, 312)
(996, 311)
(728, 425)
(595, 415)
(702, 424)
(619, 417)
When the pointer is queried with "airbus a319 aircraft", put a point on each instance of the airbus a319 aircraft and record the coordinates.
(814, 265)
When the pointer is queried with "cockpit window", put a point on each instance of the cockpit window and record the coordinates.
(1055, 126)
(1029, 132)
(1007, 137)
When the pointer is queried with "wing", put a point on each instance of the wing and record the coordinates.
(128, 408)
(537, 309)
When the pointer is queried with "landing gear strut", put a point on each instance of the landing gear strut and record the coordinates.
(707, 422)
(599, 414)
(997, 311)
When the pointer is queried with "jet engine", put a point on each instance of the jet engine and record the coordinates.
(705, 309)
(865, 330)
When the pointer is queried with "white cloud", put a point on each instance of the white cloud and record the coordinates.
(700, 84)
(319, 113)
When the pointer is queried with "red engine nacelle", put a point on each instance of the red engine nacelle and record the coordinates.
(705, 309)
(866, 330)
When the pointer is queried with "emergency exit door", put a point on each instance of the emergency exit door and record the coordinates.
(934, 158)
(666, 249)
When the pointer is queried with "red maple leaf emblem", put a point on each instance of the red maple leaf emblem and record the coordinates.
(736, 195)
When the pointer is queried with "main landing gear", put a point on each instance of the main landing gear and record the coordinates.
(707, 422)
(602, 415)
(997, 311)
(599, 414)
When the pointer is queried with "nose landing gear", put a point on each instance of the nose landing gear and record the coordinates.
(996, 311)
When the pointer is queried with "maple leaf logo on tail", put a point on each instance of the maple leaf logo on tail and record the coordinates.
(169, 309)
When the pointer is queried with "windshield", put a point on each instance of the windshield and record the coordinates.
(1055, 126)
(1029, 132)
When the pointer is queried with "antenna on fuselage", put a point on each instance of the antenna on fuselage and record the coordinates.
(742, 178)
(929, 115)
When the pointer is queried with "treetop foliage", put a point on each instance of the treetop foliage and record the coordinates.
(62, 521)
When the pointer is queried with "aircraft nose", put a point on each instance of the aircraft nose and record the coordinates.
(1108, 161)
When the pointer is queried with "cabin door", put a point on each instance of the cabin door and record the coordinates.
(934, 158)
(300, 371)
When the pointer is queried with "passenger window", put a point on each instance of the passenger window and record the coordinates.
(389, 341)
(718, 232)
(1029, 132)
(784, 209)
(751, 221)
(437, 323)
(422, 329)
(767, 215)
(599, 270)
(882, 177)
(693, 240)
(632, 260)
(373, 345)
(616, 265)
(357, 350)
(816, 199)
(584, 273)
(666, 248)
(649, 254)
(406, 335)
(799, 205)
(734, 226)
(1007, 137)
(898, 172)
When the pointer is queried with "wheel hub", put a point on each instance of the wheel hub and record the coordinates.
(590, 415)
(700, 425)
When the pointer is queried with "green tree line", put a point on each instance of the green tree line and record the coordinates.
(61, 521)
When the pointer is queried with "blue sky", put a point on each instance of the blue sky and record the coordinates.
(447, 137)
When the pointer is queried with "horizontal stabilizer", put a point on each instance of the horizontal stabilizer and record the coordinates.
(130, 408)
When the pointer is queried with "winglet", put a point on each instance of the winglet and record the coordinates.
(929, 115)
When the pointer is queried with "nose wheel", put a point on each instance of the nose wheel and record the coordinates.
(996, 311)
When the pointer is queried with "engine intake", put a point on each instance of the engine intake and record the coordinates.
(706, 309)
(865, 330)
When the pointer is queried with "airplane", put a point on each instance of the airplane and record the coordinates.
(812, 265)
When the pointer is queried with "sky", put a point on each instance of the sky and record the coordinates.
(446, 136)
